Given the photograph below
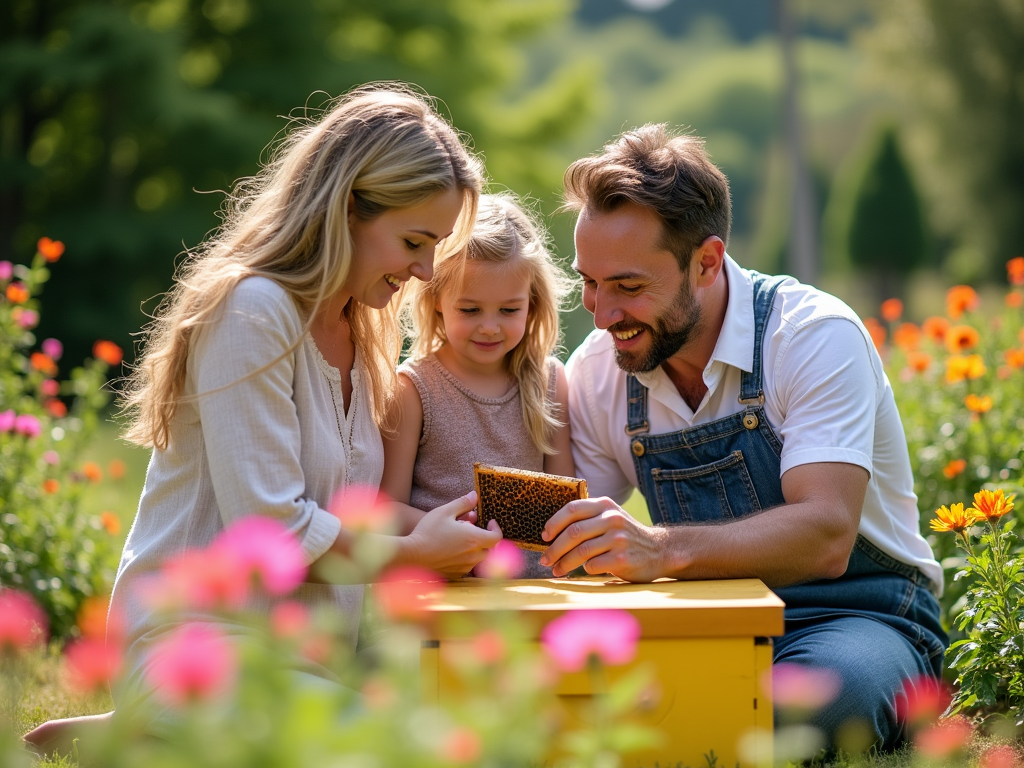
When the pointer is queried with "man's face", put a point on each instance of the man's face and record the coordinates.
(634, 287)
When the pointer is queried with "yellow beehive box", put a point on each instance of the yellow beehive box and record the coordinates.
(709, 642)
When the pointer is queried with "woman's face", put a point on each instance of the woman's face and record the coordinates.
(398, 245)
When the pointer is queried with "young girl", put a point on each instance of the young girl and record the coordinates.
(480, 384)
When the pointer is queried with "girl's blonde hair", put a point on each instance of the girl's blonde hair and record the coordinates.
(504, 234)
(377, 148)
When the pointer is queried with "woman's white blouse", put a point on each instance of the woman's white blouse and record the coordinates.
(272, 444)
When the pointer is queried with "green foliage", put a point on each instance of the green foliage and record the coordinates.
(989, 661)
(955, 68)
(876, 218)
(112, 115)
(49, 547)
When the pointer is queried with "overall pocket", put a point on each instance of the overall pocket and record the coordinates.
(721, 490)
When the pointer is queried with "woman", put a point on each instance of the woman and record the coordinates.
(269, 371)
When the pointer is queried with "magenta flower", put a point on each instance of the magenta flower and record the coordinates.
(7, 420)
(610, 635)
(27, 425)
(6, 270)
(265, 549)
(53, 348)
(191, 663)
(22, 622)
(796, 686)
(504, 561)
(49, 387)
(27, 318)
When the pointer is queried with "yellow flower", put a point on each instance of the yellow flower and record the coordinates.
(991, 504)
(955, 518)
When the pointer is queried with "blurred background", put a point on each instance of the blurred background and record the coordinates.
(875, 148)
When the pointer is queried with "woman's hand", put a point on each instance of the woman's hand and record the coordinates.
(449, 544)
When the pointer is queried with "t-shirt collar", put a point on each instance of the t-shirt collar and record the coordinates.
(735, 345)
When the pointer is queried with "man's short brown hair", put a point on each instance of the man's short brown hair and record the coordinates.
(668, 173)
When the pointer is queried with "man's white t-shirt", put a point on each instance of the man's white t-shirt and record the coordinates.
(826, 396)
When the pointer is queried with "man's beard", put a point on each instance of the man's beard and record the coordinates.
(666, 337)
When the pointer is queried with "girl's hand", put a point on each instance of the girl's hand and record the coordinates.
(448, 545)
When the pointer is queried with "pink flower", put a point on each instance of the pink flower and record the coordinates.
(22, 622)
(922, 700)
(361, 508)
(1000, 756)
(51, 457)
(6, 270)
(489, 647)
(610, 635)
(7, 420)
(200, 579)
(289, 619)
(406, 592)
(90, 664)
(191, 663)
(27, 318)
(264, 548)
(798, 686)
(944, 738)
(49, 387)
(27, 425)
(504, 561)
(53, 348)
(461, 745)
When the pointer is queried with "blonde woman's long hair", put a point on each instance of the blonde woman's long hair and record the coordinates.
(507, 234)
(378, 148)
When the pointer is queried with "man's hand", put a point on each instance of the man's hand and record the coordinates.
(599, 535)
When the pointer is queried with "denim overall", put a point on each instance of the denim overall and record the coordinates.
(878, 616)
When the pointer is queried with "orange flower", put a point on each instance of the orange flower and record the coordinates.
(960, 338)
(877, 331)
(935, 329)
(56, 408)
(1015, 270)
(907, 336)
(17, 293)
(992, 504)
(50, 486)
(954, 468)
(960, 299)
(116, 468)
(111, 522)
(892, 310)
(1014, 300)
(43, 363)
(978, 404)
(919, 361)
(108, 352)
(51, 250)
(1014, 358)
(92, 471)
(954, 518)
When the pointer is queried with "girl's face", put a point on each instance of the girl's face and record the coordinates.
(398, 245)
(486, 319)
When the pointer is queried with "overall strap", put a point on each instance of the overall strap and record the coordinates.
(765, 286)
(636, 407)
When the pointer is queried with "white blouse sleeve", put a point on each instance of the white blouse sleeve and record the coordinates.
(250, 423)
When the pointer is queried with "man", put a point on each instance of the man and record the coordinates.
(754, 415)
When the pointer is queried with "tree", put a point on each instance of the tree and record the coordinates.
(114, 113)
(957, 66)
(876, 219)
